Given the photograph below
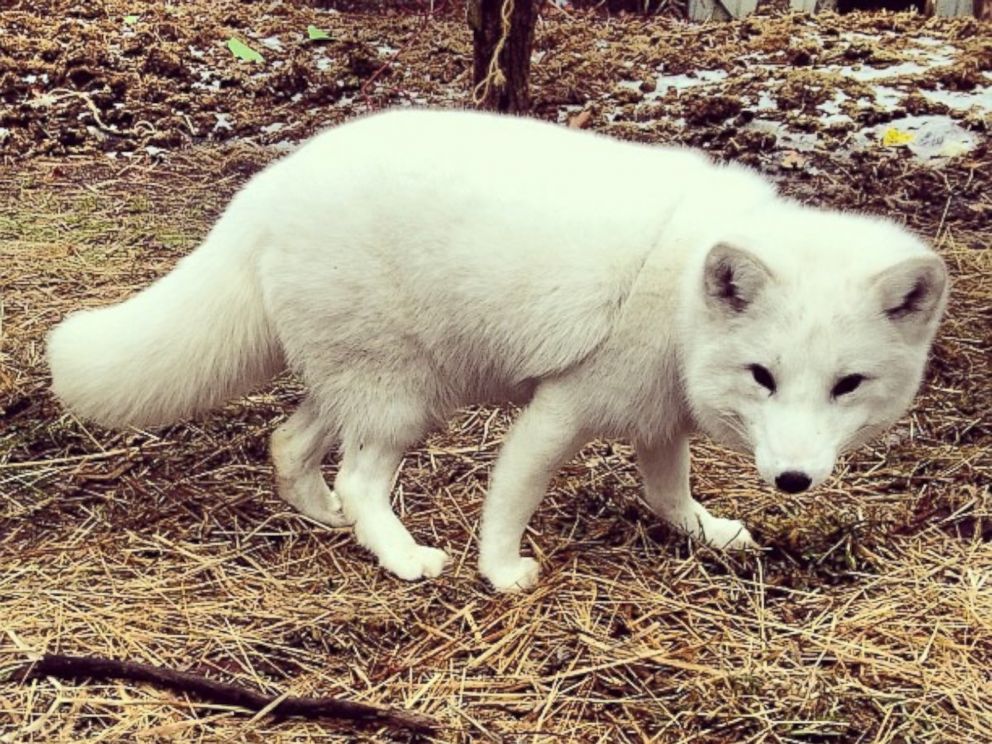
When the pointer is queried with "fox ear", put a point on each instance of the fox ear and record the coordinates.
(732, 278)
(912, 293)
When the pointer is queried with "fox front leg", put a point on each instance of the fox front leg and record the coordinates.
(544, 436)
(665, 469)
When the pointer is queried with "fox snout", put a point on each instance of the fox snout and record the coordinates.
(794, 471)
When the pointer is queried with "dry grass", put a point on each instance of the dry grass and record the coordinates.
(868, 619)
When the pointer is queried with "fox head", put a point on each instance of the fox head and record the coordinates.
(808, 336)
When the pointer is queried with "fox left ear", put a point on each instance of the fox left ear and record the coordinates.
(913, 292)
(733, 277)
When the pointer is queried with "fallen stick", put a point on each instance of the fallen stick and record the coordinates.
(99, 668)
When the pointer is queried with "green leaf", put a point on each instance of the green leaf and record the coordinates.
(316, 34)
(130, 20)
(242, 51)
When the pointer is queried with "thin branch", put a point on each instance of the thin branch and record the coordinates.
(99, 668)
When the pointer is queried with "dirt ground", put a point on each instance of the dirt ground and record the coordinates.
(124, 129)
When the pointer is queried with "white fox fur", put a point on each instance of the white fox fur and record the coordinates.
(413, 262)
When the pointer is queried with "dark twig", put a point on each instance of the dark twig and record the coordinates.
(99, 668)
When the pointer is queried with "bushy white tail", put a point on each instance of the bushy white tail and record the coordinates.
(194, 339)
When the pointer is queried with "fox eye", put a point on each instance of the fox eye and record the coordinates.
(763, 377)
(847, 384)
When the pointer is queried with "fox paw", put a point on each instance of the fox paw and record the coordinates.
(717, 532)
(312, 498)
(726, 534)
(415, 562)
(330, 510)
(512, 576)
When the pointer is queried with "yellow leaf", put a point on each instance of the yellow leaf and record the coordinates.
(896, 137)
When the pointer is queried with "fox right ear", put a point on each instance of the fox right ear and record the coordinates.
(913, 293)
(733, 277)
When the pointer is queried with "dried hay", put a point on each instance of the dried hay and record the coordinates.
(869, 618)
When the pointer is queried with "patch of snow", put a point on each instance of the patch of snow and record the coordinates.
(566, 112)
(962, 100)
(934, 137)
(858, 36)
(866, 74)
(207, 81)
(886, 98)
(681, 82)
(665, 83)
(766, 102)
(832, 119)
(784, 137)
(223, 121)
(932, 58)
(832, 107)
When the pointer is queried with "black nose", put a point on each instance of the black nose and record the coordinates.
(792, 481)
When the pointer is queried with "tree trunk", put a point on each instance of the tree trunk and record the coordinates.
(503, 87)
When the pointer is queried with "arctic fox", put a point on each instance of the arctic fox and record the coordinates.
(413, 262)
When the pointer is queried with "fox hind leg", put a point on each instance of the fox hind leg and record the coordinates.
(298, 448)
